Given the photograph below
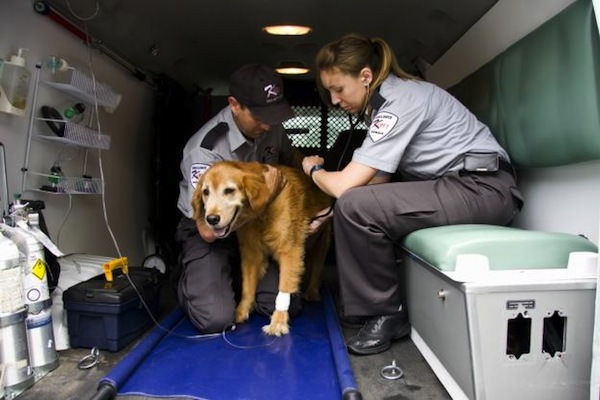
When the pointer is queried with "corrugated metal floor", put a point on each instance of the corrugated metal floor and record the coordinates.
(67, 382)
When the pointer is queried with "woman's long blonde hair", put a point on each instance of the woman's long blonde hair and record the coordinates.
(353, 52)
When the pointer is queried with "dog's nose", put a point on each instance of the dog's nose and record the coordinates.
(213, 219)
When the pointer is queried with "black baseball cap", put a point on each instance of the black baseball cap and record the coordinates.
(260, 88)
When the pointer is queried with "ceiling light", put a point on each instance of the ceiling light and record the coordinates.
(287, 29)
(292, 68)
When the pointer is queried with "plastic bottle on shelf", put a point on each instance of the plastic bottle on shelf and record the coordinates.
(14, 85)
(57, 64)
(74, 112)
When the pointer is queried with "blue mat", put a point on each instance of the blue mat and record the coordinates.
(309, 363)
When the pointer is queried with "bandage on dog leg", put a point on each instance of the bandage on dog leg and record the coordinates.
(282, 301)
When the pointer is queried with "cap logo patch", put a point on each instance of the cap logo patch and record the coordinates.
(382, 125)
(272, 91)
(196, 171)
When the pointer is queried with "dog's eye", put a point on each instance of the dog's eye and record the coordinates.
(228, 190)
(205, 191)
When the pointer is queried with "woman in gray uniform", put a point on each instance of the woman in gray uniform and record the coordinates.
(249, 128)
(451, 170)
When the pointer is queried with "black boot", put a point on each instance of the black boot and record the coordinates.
(353, 322)
(378, 332)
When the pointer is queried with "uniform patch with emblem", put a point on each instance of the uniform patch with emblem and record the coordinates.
(382, 125)
(196, 171)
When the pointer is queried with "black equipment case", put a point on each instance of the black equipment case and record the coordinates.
(109, 315)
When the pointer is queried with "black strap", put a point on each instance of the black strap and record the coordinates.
(505, 166)
(213, 135)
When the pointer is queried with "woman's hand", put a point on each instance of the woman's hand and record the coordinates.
(311, 161)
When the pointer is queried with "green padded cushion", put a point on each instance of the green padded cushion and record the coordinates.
(506, 248)
(541, 96)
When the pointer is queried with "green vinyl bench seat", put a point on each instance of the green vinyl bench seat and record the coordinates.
(506, 248)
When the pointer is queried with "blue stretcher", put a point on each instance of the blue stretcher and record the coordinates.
(309, 363)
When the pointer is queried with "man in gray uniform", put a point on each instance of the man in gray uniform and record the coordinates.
(248, 129)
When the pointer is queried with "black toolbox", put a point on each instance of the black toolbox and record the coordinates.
(109, 315)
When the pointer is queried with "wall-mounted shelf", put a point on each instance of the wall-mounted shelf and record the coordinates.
(56, 184)
(76, 135)
(83, 88)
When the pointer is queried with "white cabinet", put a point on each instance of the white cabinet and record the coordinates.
(47, 124)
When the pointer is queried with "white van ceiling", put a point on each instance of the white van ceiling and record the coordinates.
(200, 42)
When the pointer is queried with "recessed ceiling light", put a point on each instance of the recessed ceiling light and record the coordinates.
(292, 68)
(287, 29)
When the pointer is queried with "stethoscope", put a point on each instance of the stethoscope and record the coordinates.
(353, 125)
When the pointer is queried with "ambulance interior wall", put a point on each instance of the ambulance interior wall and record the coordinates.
(558, 199)
(126, 165)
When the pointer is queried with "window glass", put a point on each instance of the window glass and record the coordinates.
(304, 130)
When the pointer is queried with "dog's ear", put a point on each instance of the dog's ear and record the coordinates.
(197, 201)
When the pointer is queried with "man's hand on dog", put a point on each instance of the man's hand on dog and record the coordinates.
(275, 181)
(205, 232)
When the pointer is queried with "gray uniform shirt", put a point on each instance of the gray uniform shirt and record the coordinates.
(421, 131)
(273, 148)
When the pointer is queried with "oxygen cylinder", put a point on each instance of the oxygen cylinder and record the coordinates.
(17, 374)
(40, 337)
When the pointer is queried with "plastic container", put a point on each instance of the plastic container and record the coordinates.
(14, 85)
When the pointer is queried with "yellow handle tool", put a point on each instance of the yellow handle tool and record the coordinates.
(116, 263)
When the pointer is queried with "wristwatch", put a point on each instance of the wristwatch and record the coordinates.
(315, 168)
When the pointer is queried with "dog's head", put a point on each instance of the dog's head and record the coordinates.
(230, 193)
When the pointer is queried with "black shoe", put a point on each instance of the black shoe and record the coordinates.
(353, 321)
(377, 334)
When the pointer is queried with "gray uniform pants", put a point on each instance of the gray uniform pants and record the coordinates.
(371, 221)
(209, 284)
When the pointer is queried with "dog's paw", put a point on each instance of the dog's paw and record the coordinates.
(279, 324)
(276, 329)
(242, 313)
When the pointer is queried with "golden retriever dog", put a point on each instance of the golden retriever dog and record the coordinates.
(234, 196)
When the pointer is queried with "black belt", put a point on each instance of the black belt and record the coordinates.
(505, 166)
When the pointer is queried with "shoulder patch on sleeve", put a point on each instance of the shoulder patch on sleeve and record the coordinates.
(382, 125)
(196, 171)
